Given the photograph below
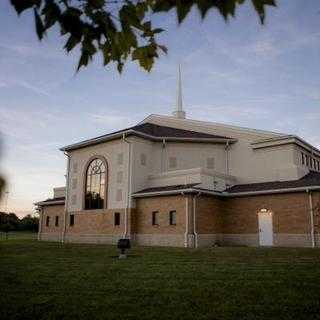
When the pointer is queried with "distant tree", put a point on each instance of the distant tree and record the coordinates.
(8, 222)
(120, 29)
(29, 223)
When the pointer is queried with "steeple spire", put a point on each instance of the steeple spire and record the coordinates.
(178, 112)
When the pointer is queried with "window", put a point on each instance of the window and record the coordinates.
(143, 159)
(310, 161)
(307, 160)
(314, 163)
(318, 163)
(57, 221)
(173, 217)
(95, 185)
(71, 221)
(120, 159)
(75, 167)
(74, 183)
(117, 218)
(210, 163)
(119, 195)
(74, 199)
(302, 158)
(172, 162)
(47, 221)
(155, 218)
(119, 176)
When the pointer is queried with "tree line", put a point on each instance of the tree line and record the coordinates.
(11, 222)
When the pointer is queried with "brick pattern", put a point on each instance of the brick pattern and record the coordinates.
(164, 205)
(52, 212)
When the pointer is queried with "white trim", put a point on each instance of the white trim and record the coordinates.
(47, 203)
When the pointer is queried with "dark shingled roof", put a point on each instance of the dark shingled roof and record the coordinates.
(50, 201)
(154, 131)
(163, 131)
(309, 180)
(167, 188)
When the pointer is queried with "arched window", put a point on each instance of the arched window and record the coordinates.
(95, 185)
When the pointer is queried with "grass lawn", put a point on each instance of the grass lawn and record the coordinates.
(14, 235)
(41, 280)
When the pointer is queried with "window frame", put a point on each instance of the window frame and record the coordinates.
(117, 219)
(56, 221)
(173, 218)
(155, 218)
(47, 221)
(71, 220)
(85, 180)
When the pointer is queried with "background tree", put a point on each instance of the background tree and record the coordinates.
(120, 29)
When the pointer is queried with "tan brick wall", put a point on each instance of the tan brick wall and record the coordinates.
(290, 213)
(96, 222)
(52, 212)
(209, 215)
(145, 207)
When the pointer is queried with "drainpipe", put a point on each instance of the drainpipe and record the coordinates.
(40, 222)
(311, 218)
(128, 200)
(187, 221)
(66, 200)
(227, 157)
(163, 155)
(194, 219)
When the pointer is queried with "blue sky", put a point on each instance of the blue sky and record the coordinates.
(238, 72)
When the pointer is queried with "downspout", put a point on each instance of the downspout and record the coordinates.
(163, 157)
(187, 221)
(66, 200)
(194, 219)
(311, 218)
(227, 157)
(128, 200)
(40, 222)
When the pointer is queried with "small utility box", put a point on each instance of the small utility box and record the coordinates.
(123, 245)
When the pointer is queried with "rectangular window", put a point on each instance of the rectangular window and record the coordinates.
(119, 195)
(210, 163)
(307, 160)
(117, 218)
(143, 159)
(120, 158)
(173, 217)
(155, 218)
(310, 162)
(57, 221)
(314, 163)
(318, 163)
(47, 221)
(119, 176)
(172, 162)
(71, 222)
(302, 158)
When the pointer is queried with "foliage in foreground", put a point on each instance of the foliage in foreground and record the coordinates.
(120, 29)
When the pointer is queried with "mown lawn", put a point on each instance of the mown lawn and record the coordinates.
(41, 280)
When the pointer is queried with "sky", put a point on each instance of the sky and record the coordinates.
(239, 72)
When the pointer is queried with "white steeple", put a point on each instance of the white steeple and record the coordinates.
(178, 112)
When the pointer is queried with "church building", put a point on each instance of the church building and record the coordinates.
(174, 181)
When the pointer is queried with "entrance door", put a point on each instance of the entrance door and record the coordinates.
(265, 228)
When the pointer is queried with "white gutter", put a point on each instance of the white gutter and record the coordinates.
(128, 200)
(311, 219)
(66, 201)
(47, 203)
(194, 220)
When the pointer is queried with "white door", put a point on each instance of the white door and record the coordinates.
(265, 228)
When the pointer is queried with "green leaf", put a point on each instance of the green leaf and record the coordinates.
(71, 43)
(84, 59)
(39, 25)
(21, 5)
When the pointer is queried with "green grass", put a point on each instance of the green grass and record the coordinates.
(41, 280)
(15, 235)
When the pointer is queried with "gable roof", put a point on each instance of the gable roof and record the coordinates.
(153, 132)
(312, 179)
